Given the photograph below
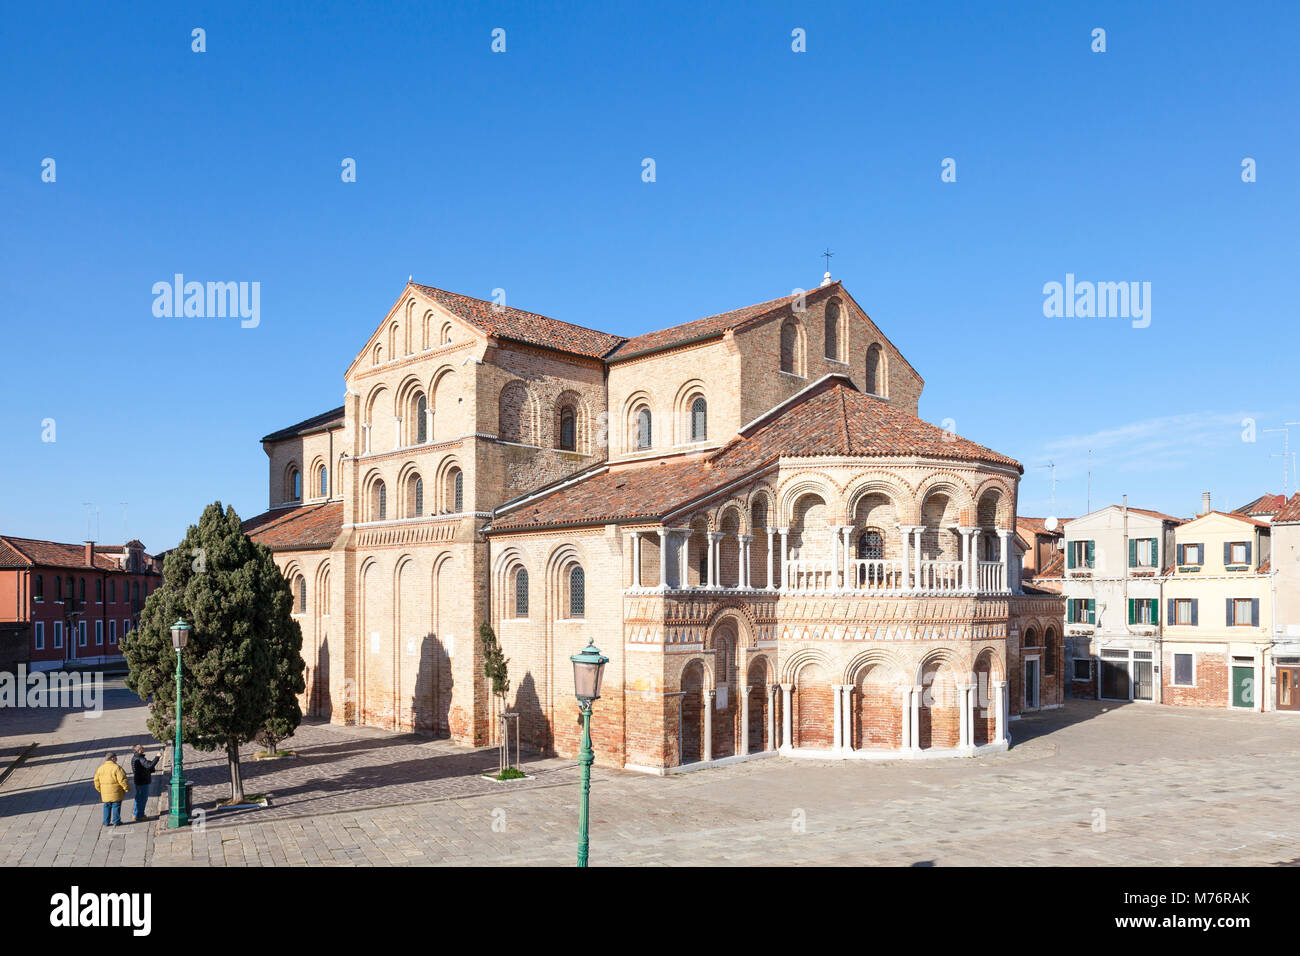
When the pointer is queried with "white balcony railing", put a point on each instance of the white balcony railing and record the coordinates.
(810, 576)
(990, 576)
(940, 576)
(874, 574)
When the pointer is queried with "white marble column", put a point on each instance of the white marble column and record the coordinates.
(771, 716)
(636, 559)
(683, 557)
(744, 718)
(970, 578)
(847, 532)
(1004, 543)
(785, 557)
(964, 735)
(771, 565)
(837, 736)
(835, 557)
(714, 538)
(915, 717)
(787, 721)
(663, 559)
(745, 571)
(906, 532)
(428, 430)
(847, 734)
(916, 548)
(1000, 712)
(708, 723)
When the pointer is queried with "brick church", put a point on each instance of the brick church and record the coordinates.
(743, 512)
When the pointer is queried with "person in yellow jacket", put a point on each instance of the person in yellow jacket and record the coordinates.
(112, 785)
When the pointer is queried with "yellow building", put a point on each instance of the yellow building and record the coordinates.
(1218, 618)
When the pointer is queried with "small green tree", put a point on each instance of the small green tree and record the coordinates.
(495, 667)
(240, 608)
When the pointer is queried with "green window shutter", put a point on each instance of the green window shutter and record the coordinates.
(1092, 608)
(1248, 552)
(1254, 612)
(1178, 553)
(1069, 554)
(1092, 555)
(1155, 611)
(1229, 612)
(1132, 552)
(1169, 611)
(1132, 610)
(1227, 553)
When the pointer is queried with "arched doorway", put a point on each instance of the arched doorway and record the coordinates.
(691, 725)
(756, 732)
(814, 708)
(940, 718)
(877, 719)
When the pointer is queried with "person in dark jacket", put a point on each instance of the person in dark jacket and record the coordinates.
(142, 769)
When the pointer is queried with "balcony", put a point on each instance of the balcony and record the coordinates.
(890, 577)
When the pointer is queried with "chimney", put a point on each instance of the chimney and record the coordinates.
(1205, 503)
(90, 554)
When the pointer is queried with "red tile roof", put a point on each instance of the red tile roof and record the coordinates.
(32, 552)
(1235, 517)
(504, 322)
(1290, 512)
(706, 327)
(1263, 505)
(834, 418)
(829, 418)
(307, 527)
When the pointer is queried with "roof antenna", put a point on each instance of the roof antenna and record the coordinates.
(826, 279)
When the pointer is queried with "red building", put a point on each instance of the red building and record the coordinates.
(70, 604)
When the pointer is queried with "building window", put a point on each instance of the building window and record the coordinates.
(1082, 668)
(112, 632)
(577, 592)
(293, 485)
(81, 589)
(1081, 610)
(135, 593)
(1183, 611)
(446, 334)
(699, 419)
(644, 434)
(1184, 670)
(300, 593)
(875, 371)
(1143, 611)
(458, 491)
(1243, 612)
(112, 592)
(1081, 554)
(38, 593)
(1237, 552)
(126, 627)
(833, 330)
(1143, 553)
(568, 429)
(40, 635)
(421, 420)
(419, 497)
(521, 593)
(81, 634)
(58, 633)
(99, 633)
(99, 590)
(792, 359)
(324, 482)
(1191, 555)
(871, 546)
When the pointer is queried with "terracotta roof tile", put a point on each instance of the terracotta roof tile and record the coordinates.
(1263, 505)
(832, 418)
(704, 328)
(32, 552)
(508, 323)
(1289, 512)
(306, 527)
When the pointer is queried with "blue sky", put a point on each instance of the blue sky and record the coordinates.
(478, 170)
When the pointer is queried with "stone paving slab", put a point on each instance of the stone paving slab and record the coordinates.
(1089, 785)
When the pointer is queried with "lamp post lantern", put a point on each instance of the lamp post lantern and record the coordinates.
(179, 815)
(588, 669)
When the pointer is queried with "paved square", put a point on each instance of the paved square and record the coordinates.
(1090, 784)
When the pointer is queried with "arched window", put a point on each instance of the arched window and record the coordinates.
(577, 591)
(568, 429)
(421, 420)
(378, 502)
(324, 481)
(792, 359)
(521, 593)
(446, 335)
(135, 592)
(871, 547)
(699, 419)
(377, 354)
(833, 329)
(300, 593)
(457, 491)
(81, 596)
(292, 484)
(875, 371)
(415, 496)
(643, 428)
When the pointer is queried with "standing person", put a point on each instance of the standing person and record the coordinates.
(112, 785)
(142, 769)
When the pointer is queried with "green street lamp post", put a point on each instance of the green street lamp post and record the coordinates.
(179, 815)
(588, 669)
